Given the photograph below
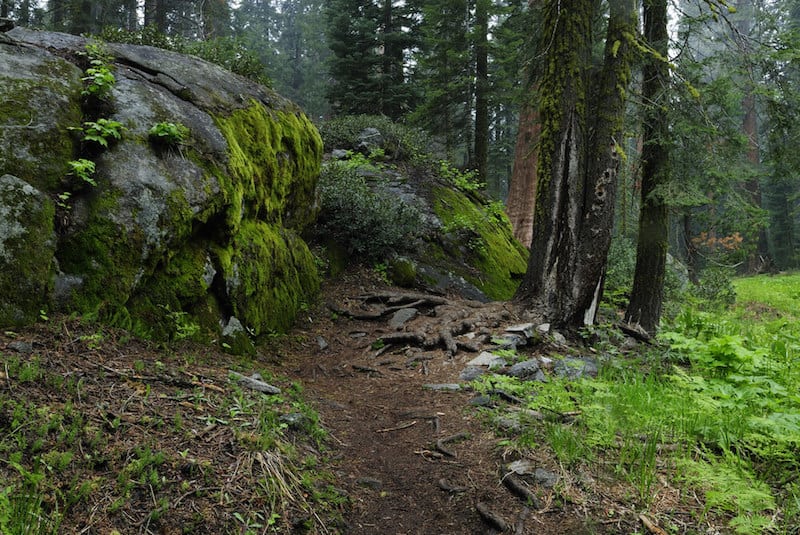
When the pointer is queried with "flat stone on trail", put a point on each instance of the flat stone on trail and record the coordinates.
(487, 359)
(523, 328)
(402, 316)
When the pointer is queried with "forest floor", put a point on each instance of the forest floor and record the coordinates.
(137, 439)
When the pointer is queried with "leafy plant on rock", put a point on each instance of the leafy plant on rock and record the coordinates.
(167, 133)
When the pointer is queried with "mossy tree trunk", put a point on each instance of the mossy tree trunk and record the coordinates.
(577, 167)
(651, 252)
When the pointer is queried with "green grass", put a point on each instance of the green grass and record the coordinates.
(714, 409)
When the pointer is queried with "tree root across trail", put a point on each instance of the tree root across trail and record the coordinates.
(412, 454)
(449, 319)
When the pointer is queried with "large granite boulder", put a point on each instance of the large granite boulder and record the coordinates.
(195, 232)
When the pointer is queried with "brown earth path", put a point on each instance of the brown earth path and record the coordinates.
(385, 425)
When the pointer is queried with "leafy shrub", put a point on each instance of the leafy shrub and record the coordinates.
(400, 141)
(83, 170)
(368, 223)
(99, 81)
(168, 133)
(716, 289)
(619, 272)
(101, 131)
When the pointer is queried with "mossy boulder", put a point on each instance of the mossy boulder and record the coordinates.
(27, 248)
(170, 237)
(451, 238)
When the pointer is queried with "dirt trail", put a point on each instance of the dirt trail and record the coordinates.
(412, 459)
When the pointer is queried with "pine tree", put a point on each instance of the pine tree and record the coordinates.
(370, 41)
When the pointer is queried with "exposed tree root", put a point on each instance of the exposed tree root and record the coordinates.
(441, 321)
(491, 518)
(513, 483)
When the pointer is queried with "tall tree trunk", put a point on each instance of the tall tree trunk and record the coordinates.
(578, 161)
(5, 8)
(482, 88)
(80, 17)
(651, 253)
(56, 9)
(521, 200)
(131, 15)
(752, 187)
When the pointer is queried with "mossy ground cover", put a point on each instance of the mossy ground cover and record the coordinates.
(709, 416)
(107, 434)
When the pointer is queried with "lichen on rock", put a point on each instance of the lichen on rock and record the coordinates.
(27, 247)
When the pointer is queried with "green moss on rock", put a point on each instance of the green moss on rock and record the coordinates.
(274, 162)
(269, 274)
(27, 246)
(484, 240)
(35, 113)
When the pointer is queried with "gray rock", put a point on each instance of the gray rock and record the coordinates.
(575, 367)
(545, 478)
(165, 230)
(525, 329)
(322, 343)
(27, 251)
(402, 316)
(24, 348)
(254, 382)
(470, 373)
(527, 370)
(442, 387)
(559, 338)
(481, 401)
(294, 420)
(339, 154)
(487, 359)
(511, 341)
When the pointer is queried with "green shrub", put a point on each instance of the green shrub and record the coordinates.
(368, 223)
(399, 141)
(166, 133)
(101, 131)
(716, 289)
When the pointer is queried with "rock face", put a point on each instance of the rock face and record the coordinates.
(169, 238)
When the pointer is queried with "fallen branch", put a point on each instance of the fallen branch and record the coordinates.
(398, 428)
(651, 526)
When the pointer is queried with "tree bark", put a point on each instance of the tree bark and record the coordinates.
(521, 199)
(651, 252)
(577, 166)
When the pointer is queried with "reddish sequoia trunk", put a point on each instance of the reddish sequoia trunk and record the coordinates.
(522, 188)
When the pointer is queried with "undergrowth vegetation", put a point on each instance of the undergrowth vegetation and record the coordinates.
(712, 411)
(123, 437)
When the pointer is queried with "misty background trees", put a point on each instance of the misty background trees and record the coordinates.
(706, 139)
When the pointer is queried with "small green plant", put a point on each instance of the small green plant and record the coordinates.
(466, 181)
(101, 131)
(83, 169)
(99, 81)
(167, 133)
